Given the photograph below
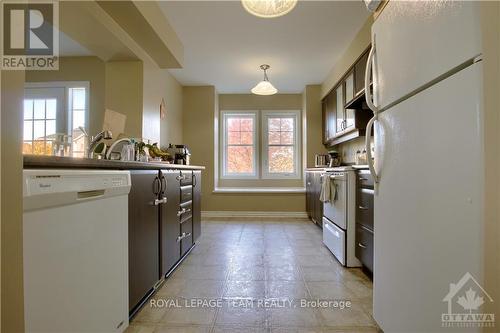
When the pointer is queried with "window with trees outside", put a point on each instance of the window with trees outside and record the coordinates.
(260, 145)
(239, 149)
(280, 156)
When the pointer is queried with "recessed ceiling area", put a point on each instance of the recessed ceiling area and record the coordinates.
(68, 47)
(224, 45)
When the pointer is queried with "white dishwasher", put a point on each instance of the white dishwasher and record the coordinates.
(75, 241)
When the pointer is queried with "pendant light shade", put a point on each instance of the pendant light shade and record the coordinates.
(269, 8)
(264, 87)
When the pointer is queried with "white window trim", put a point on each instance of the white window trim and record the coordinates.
(265, 146)
(224, 116)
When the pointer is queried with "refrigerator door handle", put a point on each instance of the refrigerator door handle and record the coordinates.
(368, 148)
(368, 70)
(369, 126)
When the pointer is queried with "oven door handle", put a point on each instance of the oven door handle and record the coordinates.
(331, 230)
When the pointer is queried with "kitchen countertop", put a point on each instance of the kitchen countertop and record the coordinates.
(354, 166)
(38, 161)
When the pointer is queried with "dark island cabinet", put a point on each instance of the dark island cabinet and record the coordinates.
(164, 223)
(364, 218)
(143, 234)
(314, 207)
(169, 225)
(196, 204)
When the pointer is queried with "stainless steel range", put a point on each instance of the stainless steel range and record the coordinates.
(339, 220)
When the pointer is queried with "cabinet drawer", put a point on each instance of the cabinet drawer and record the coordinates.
(185, 211)
(364, 179)
(364, 247)
(364, 207)
(186, 236)
(186, 177)
(186, 193)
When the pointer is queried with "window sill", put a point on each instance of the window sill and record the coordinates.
(284, 190)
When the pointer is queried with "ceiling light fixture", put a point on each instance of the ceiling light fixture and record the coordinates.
(264, 87)
(269, 8)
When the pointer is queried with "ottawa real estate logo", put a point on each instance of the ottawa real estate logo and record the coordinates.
(465, 299)
(30, 35)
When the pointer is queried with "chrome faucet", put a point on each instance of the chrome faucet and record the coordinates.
(94, 140)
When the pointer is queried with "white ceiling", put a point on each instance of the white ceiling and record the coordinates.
(224, 45)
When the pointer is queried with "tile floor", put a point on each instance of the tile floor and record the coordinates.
(261, 273)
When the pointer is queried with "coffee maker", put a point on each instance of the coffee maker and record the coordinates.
(180, 153)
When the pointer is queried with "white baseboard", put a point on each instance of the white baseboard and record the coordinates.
(215, 214)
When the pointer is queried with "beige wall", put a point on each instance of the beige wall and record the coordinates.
(90, 69)
(200, 104)
(490, 17)
(353, 51)
(124, 93)
(255, 102)
(311, 99)
(12, 93)
(119, 91)
(158, 84)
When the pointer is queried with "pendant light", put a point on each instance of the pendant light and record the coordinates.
(269, 8)
(264, 87)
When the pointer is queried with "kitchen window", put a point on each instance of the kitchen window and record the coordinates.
(260, 145)
(54, 109)
(239, 148)
(280, 158)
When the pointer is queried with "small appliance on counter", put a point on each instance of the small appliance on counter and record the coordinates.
(334, 159)
(321, 160)
(181, 154)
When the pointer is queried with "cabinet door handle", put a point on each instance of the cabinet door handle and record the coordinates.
(194, 180)
(163, 184)
(184, 235)
(180, 237)
(183, 211)
(362, 245)
(158, 202)
(362, 179)
(362, 207)
(156, 186)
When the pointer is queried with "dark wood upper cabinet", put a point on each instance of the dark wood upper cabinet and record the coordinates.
(345, 113)
(339, 108)
(359, 73)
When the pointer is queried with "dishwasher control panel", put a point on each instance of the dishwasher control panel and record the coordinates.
(37, 182)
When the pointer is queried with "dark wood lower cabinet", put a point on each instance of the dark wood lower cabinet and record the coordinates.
(364, 247)
(196, 204)
(164, 223)
(143, 255)
(186, 238)
(313, 190)
(169, 224)
(364, 218)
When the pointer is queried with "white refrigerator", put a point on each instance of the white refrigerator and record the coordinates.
(428, 160)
